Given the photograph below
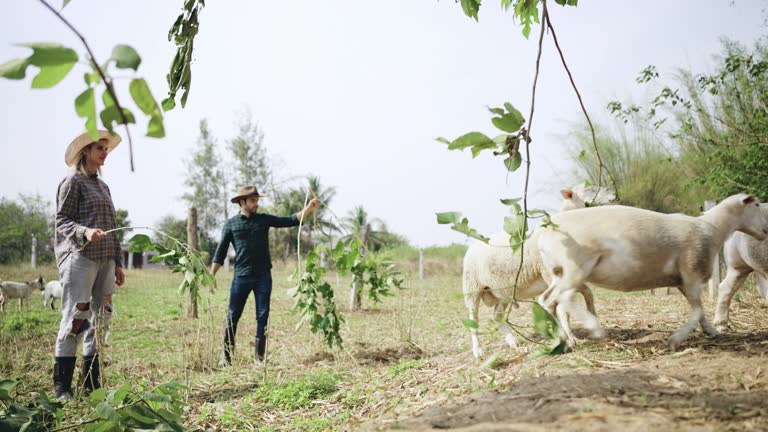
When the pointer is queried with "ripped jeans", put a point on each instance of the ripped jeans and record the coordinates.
(84, 281)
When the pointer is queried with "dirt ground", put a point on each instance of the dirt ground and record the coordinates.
(626, 382)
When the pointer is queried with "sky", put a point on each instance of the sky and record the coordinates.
(355, 92)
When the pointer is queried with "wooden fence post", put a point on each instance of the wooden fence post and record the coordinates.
(33, 258)
(192, 242)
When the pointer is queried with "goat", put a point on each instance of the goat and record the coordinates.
(53, 291)
(20, 290)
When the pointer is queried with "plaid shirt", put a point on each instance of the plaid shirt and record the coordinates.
(250, 237)
(85, 202)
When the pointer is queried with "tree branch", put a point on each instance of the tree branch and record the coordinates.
(104, 79)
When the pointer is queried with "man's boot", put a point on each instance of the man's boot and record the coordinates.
(63, 370)
(261, 349)
(91, 373)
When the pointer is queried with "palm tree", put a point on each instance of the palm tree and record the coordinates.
(321, 221)
(359, 225)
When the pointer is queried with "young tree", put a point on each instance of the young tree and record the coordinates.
(205, 180)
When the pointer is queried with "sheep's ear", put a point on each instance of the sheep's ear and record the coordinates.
(749, 200)
(566, 193)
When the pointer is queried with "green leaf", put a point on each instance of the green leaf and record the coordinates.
(85, 106)
(140, 243)
(471, 139)
(513, 162)
(49, 76)
(448, 217)
(470, 8)
(125, 57)
(98, 396)
(66, 2)
(105, 411)
(110, 115)
(544, 323)
(470, 324)
(490, 362)
(14, 69)
(156, 129)
(168, 104)
(143, 96)
(511, 121)
(50, 54)
(6, 386)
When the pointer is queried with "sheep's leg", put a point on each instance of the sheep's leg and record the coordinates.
(472, 297)
(589, 299)
(692, 293)
(504, 328)
(761, 281)
(733, 281)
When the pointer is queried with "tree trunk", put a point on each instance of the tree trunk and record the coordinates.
(355, 299)
(193, 244)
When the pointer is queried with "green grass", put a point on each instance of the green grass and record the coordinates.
(400, 355)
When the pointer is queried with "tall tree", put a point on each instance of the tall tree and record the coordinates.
(205, 180)
(252, 166)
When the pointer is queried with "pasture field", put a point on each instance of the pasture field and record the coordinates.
(407, 362)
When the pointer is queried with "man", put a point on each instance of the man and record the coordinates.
(248, 232)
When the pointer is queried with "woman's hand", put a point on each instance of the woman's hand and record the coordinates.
(94, 234)
(119, 276)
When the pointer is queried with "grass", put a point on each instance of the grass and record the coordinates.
(407, 353)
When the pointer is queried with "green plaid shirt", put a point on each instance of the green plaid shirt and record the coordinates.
(85, 202)
(250, 238)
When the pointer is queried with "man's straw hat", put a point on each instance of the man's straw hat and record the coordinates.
(72, 155)
(245, 192)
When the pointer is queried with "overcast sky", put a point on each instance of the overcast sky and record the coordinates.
(355, 92)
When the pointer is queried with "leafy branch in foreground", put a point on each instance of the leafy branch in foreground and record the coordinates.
(314, 296)
(123, 409)
(182, 34)
(56, 61)
(179, 257)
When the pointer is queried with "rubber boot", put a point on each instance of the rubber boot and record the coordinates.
(63, 370)
(261, 348)
(91, 373)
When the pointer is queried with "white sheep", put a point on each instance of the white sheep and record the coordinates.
(743, 255)
(489, 274)
(53, 291)
(19, 290)
(629, 249)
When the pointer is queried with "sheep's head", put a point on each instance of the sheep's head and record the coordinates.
(751, 217)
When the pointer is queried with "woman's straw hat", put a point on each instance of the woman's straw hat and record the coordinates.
(72, 155)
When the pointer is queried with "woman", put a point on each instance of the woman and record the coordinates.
(89, 259)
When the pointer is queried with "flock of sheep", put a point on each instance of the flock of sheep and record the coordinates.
(623, 249)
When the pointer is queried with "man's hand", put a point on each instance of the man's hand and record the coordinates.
(94, 234)
(119, 276)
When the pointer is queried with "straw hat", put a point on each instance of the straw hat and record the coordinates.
(245, 192)
(72, 155)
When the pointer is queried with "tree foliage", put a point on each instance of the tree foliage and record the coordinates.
(19, 220)
(205, 182)
(713, 126)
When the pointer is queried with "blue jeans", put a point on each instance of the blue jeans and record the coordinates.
(242, 286)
